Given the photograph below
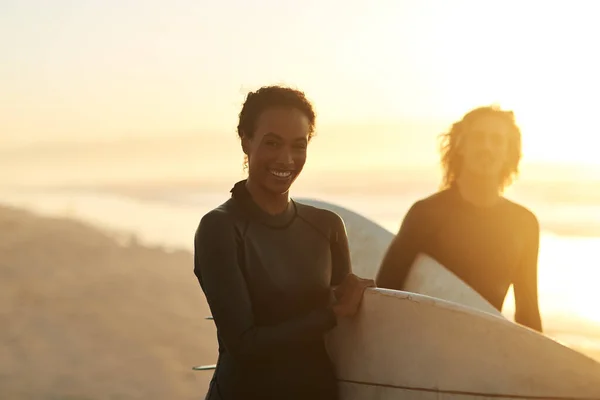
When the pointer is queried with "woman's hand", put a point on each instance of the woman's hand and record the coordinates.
(349, 294)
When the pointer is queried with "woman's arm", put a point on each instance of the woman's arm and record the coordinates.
(218, 270)
(340, 251)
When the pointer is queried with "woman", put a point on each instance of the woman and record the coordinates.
(267, 264)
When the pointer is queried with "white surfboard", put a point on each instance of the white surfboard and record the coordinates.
(408, 346)
(430, 278)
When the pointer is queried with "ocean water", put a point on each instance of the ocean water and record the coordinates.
(569, 265)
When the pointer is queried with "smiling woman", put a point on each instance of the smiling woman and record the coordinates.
(276, 273)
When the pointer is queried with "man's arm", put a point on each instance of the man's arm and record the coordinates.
(217, 268)
(402, 251)
(526, 280)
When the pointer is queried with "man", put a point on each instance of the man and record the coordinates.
(486, 240)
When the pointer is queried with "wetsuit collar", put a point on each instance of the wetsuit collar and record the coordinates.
(466, 205)
(241, 194)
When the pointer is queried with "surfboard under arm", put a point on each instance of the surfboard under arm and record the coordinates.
(430, 278)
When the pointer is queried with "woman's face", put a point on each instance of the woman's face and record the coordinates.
(277, 149)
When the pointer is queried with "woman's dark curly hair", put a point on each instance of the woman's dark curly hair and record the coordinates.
(452, 162)
(269, 97)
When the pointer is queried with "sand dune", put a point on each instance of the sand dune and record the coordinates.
(84, 317)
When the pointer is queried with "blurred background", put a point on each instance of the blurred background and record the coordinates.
(117, 133)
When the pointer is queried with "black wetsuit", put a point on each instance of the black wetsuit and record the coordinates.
(268, 283)
(489, 248)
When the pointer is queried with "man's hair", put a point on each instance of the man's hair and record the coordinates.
(451, 161)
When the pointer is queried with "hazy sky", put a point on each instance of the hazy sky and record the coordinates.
(88, 69)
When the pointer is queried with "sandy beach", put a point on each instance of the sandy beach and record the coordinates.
(87, 317)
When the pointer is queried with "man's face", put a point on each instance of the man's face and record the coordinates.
(484, 147)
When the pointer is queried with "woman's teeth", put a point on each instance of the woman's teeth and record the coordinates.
(281, 174)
